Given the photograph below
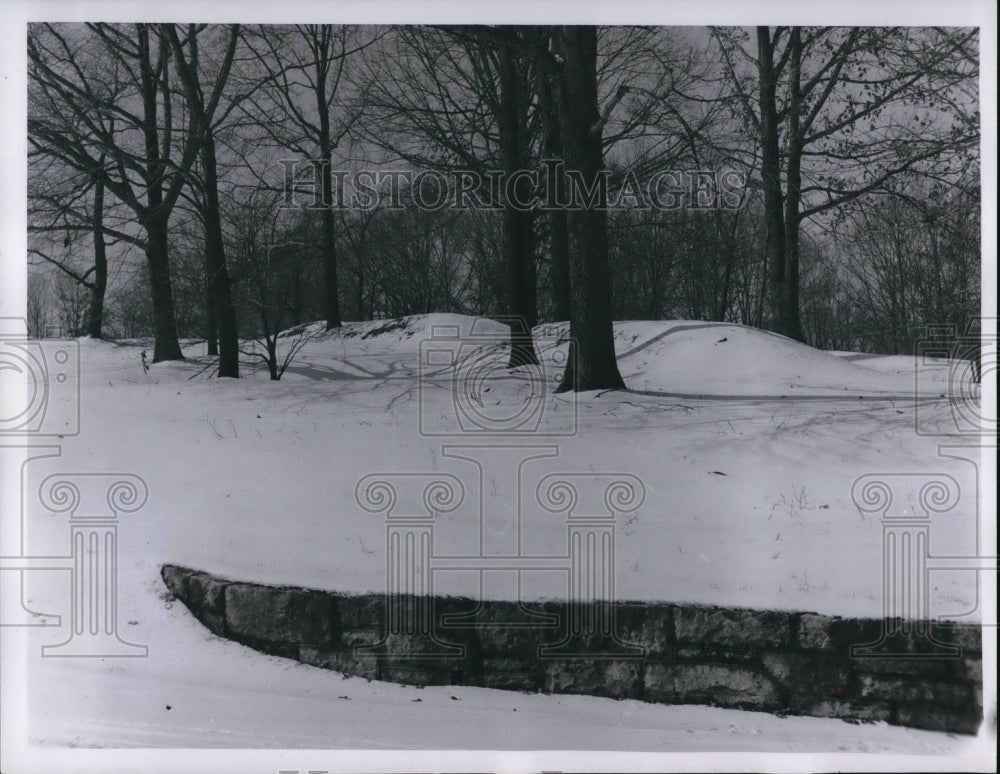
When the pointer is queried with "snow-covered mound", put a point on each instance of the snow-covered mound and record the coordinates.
(676, 357)
(733, 360)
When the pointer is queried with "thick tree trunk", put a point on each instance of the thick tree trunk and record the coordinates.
(211, 324)
(157, 211)
(95, 313)
(771, 175)
(166, 346)
(519, 236)
(591, 364)
(559, 251)
(297, 299)
(272, 357)
(791, 322)
(331, 290)
(558, 228)
(729, 267)
(219, 290)
(359, 298)
(218, 274)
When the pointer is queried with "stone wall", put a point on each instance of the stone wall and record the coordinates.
(922, 675)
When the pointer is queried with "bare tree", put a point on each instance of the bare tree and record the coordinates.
(519, 232)
(423, 262)
(591, 363)
(70, 227)
(357, 233)
(94, 278)
(73, 302)
(306, 67)
(269, 264)
(269, 275)
(913, 261)
(841, 112)
(204, 120)
(38, 304)
(460, 98)
(101, 101)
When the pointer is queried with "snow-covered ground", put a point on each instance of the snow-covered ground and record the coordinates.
(747, 445)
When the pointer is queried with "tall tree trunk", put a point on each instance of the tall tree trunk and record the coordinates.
(218, 274)
(211, 324)
(219, 289)
(166, 346)
(771, 175)
(591, 364)
(272, 356)
(728, 239)
(560, 271)
(791, 322)
(95, 313)
(331, 291)
(297, 301)
(359, 296)
(519, 236)
(558, 228)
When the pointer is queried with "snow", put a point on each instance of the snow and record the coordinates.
(747, 444)
(255, 480)
(221, 694)
(733, 360)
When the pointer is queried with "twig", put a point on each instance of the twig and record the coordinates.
(211, 424)
(199, 373)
